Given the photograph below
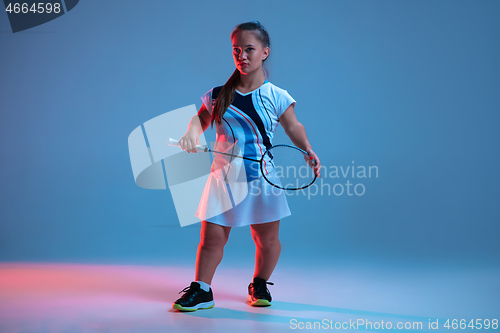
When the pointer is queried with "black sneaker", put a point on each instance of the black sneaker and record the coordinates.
(194, 298)
(258, 294)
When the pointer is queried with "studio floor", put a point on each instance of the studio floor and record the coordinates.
(69, 297)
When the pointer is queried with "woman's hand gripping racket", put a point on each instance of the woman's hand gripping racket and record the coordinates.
(294, 168)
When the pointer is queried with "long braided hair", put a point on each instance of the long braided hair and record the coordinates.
(226, 94)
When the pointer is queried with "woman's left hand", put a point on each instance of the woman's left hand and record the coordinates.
(317, 167)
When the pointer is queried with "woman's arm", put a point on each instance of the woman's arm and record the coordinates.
(297, 133)
(198, 124)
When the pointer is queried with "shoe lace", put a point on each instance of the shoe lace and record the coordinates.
(262, 287)
(186, 291)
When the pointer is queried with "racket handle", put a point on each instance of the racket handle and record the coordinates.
(173, 142)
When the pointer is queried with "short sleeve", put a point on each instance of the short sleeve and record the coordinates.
(207, 100)
(284, 101)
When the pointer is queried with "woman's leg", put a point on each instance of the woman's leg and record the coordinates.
(268, 248)
(213, 237)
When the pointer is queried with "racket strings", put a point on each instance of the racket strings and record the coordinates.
(288, 167)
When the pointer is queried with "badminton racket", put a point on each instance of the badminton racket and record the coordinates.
(293, 166)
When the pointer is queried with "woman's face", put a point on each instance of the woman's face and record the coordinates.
(248, 52)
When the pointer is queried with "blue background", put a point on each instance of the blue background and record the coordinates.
(410, 87)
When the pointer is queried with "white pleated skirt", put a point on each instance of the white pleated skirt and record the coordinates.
(237, 204)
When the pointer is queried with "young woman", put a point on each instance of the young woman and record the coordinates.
(246, 111)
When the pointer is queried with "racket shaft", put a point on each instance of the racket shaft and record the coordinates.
(173, 142)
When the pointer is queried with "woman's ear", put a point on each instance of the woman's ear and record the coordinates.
(266, 53)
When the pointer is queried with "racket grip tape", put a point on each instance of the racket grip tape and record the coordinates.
(173, 142)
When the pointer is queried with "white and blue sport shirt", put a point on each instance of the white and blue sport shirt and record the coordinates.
(249, 123)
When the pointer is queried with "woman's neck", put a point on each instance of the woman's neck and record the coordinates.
(250, 82)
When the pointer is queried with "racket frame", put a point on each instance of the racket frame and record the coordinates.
(285, 188)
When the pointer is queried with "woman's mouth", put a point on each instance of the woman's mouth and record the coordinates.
(243, 64)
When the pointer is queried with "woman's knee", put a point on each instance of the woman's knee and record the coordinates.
(213, 242)
(266, 235)
(214, 236)
(267, 242)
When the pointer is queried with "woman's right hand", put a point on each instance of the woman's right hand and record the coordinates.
(189, 141)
